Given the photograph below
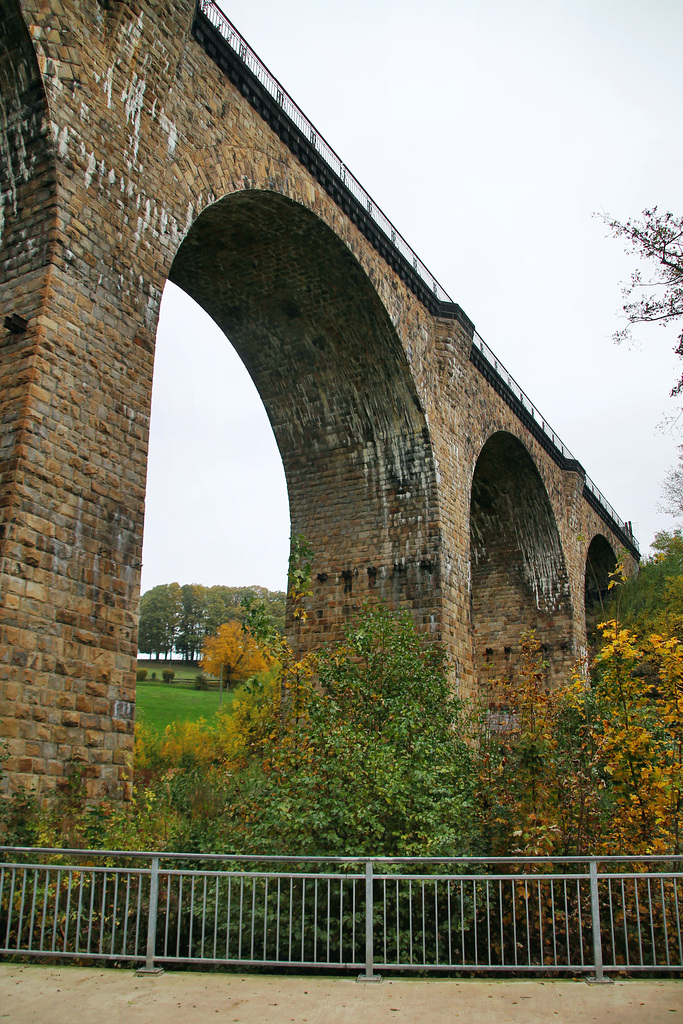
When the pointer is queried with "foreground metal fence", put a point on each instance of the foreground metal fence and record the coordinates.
(386, 914)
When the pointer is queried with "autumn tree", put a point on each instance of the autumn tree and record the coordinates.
(591, 766)
(651, 601)
(640, 686)
(654, 295)
(232, 655)
(539, 781)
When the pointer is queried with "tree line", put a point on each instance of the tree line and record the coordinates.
(177, 619)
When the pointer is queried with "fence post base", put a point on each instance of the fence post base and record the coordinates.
(599, 981)
(369, 977)
(149, 970)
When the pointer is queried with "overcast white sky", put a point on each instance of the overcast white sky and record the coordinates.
(489, 131)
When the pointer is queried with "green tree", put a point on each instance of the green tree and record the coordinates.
(652, 600)
(180, 618)
(227, 604)
(370, 757)
(655, 297)
(160, 610)
(192, 625)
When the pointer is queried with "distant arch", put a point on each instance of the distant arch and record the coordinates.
(519, 579)
(600, 563)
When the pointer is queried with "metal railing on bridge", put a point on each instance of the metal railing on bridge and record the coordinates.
(540, 421)
(278, 94)
(277, 91)
(535, 915)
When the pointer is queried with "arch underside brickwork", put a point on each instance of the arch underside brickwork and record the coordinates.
(519, 578)
(601, 562)
(132, 158)
(338, 390)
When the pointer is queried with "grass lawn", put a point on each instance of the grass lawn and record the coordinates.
(159, 704)
(182, 669)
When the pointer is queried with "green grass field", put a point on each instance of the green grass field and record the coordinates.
(159, 704)
(182, 670)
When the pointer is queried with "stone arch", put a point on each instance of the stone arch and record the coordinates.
(519, 579)
(600, 562)
(333, 376)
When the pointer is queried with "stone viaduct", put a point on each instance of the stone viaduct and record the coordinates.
(141, 141)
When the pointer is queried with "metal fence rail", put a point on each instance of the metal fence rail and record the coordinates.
(541, 915)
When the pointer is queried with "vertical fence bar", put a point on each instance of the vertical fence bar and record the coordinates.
(35, 894)
(103, 910)
(58, 886)
(595, 921)
(21, 909)
(369, 908)
(10, 906)
(369, 926)
(149, 967)
(678, 923)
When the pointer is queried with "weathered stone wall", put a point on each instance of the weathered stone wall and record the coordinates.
(131, 158)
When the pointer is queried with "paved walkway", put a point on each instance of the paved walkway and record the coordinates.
(37, 994)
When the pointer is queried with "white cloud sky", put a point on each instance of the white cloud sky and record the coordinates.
(489, 132)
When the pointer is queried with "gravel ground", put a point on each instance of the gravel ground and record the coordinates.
(38, 994)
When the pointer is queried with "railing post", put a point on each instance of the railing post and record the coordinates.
(149, 967)
(369, 927)
(599, 978)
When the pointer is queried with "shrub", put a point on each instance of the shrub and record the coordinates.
(153, 675)
(141, 675)
(168, 675)
(201, 682)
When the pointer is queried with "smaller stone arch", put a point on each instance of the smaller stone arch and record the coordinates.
(519, 579)
(600, 563)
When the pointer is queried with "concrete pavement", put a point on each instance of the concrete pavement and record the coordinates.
(38, 994)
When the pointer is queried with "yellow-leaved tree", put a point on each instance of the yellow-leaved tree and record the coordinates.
(640, 682)
(232, 654)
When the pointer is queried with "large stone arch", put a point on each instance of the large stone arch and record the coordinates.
(149, 158)
(334, 378)
(519, 578)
